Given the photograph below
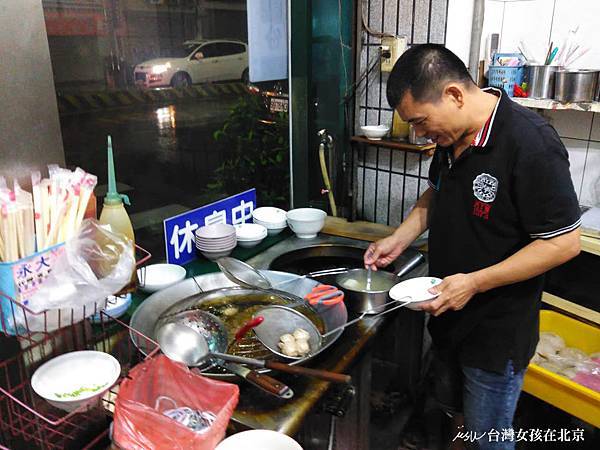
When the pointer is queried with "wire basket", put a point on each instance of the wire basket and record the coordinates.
(506, 77)
(27, 420)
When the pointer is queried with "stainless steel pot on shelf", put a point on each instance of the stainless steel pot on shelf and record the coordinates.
(541, 81)
(575, 85)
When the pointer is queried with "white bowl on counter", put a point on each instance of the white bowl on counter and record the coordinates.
(273, 219)
(116, 306)
(375, 132)
(75, 379)
(259, 440)
(155, 277)
(306, 222)
(250, 234)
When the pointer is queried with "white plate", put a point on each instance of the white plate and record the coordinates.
(415, 291)
(259, 440)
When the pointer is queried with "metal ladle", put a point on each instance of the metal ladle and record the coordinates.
(209, 326)
(184, 344)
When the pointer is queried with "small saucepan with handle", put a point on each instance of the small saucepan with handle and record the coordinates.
(368, 292)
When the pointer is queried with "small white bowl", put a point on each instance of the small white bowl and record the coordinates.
(375, 132)
(269, 216)
(90, 372)
(259, 440)
(306, 222)
(415, 291)
(250, 231)
(116, 306)
(272, 229)
(214, 255)
(250, 234)
(215, 231)
(159, 276)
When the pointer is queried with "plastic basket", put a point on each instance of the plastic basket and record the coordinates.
(506, 77)
(559, 391)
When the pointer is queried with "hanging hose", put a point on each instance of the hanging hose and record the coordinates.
(325, 140)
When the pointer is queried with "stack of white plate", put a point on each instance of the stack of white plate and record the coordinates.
(250, 234)
(215, 241)
(273, 219)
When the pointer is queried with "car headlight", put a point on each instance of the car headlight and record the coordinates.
(161, 68)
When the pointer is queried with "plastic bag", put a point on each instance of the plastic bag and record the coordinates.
(552, 354)
(96, 263)
(139, 419)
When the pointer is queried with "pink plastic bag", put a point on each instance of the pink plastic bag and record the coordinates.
(139, 426)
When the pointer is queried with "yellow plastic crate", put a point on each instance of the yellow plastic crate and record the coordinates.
(575, 399)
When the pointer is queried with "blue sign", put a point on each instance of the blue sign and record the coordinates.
(180, 237)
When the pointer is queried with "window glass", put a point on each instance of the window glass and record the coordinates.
(212, 50)
(231, 48)
(184, 134)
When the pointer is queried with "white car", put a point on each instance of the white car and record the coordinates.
(195, 62)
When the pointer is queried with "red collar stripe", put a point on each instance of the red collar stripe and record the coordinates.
(483, 135)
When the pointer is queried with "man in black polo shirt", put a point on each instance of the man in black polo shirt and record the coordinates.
(501, 211)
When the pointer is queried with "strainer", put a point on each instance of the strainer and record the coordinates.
(280, 320)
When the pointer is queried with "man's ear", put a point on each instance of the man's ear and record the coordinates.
(455, 93)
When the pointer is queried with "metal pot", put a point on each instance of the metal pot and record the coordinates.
(360, 300)
(575, 85)
(540, 81)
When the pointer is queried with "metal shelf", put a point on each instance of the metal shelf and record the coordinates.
(556, 105)
(393, 144)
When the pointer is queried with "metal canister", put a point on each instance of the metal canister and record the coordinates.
(575, 85)
(540, 81)
(413, 138)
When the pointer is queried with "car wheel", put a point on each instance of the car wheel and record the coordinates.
(181, 79)
(246, 76)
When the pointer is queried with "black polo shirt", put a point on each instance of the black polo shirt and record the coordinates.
(511, 186)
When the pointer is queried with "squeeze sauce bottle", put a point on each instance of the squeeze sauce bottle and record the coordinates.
(113, 210)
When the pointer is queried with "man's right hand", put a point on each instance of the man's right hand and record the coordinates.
(382, 252)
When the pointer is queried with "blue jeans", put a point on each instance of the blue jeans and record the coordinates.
(489, 404)
(486, 399)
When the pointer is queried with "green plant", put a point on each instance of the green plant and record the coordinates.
(256, 151)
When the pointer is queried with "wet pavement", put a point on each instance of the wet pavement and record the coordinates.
(164, 156)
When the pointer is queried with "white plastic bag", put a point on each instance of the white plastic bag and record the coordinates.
(96, 263)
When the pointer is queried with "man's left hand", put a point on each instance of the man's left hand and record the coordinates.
(455, 291)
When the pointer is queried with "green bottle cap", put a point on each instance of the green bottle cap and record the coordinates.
(112, 196)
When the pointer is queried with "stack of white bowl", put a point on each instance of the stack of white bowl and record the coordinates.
(250, 234)
(273, 219)
(216, 241)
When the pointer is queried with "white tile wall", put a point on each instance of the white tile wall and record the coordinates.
(577, 153)
(529, 21)
(570, 124)
(570, 14)
(590, 191)
(596, 128)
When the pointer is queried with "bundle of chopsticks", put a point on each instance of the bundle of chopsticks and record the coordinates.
(563, 55)
(51, 214)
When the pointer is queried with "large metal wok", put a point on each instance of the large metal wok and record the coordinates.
(187, 295)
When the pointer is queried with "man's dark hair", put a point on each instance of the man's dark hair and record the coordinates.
(424, 70)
